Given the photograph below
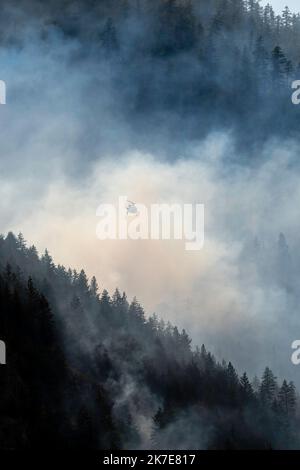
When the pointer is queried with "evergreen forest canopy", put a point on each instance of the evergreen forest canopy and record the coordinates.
(90, 371)
(178, 69)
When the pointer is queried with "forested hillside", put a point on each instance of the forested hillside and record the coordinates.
(86, 370)
(90, 80)
(176, 68)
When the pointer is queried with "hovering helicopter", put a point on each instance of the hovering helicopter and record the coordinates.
(131, 208)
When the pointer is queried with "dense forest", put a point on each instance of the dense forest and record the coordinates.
(92, 371)
(178, 68)
(88, 369)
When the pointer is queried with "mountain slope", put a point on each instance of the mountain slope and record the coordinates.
(88, 371)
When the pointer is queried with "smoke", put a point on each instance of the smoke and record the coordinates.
(230, 294)
(72, 138)
(279, 5)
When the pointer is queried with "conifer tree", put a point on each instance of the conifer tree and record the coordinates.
(268, 387)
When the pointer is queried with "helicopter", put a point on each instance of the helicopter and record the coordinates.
(131, 208)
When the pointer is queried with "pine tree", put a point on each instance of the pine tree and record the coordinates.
(283, 397)
(246, 387)
(287, 398)
(185, 341)
(153, 322)
(82, 284)
(11, 244)
(203, 351)
(32, 254)
(272, 19)
(231, 373)
(268, 387)
(279, 64)
(21, 243)
(261, 61)
(292, 398)
(94, 287)
(287, 18)
(278, 25)
(136, 311)
(106, 305)
(125, 305)
(47, 261)
(266, 16)
(116, 299)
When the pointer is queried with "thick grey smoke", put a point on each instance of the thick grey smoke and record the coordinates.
(236, 294)
(67, 145)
